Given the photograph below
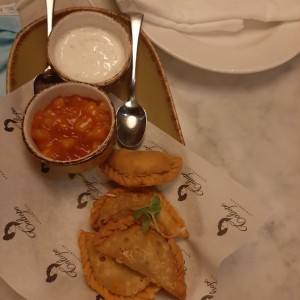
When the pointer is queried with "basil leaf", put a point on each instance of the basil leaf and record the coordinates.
(154, 200)
(148, 212)
(146, 223)
(138, 213)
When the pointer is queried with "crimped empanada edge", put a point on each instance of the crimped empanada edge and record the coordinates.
(147, 294)
(136, 180)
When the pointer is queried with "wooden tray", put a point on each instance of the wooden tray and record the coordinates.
(28, 58)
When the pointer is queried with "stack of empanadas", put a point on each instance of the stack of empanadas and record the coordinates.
(120, 259)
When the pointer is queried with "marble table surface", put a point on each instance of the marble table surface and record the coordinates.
(249, 127)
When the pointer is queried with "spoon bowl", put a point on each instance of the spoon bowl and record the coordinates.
(45, 79)
(131, 125)
(131, 117)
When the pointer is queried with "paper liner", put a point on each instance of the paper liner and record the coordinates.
(42, 213)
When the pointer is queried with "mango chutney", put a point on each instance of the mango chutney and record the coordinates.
(71, 127)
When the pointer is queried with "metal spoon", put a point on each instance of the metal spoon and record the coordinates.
(48, 77)
(131, 117)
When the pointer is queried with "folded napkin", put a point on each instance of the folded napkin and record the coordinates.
(211, 15)
(9, 27)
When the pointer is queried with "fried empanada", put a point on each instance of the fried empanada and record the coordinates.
(112, 280)
(133, 168)
(122, 202)
(149, 253)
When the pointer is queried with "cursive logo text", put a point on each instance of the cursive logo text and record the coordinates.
(190, 185)
(62, 264)
(232, 218)
(15, 122)
(21, 223)
(92, 193)
(213, 289)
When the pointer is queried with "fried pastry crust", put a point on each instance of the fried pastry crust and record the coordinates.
(131, 168)
(150, 254)
(121, 202)
(112, 280)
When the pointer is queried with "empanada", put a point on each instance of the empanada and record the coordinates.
(133, 168)
(149, 253)
(121, 202)
(112, 280)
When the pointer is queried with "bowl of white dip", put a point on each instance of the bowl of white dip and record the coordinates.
(89, 47)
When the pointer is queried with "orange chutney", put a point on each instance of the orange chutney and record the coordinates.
(71, 127)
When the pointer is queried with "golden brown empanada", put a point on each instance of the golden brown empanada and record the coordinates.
(112, 280)
(121, 202)
(133, 168)
(150, 254)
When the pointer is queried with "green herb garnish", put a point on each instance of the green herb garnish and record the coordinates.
(148, 214)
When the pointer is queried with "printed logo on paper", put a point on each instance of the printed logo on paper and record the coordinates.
(93, 192)
(63, 264)
(3, 175)
(212, 286)
(192, 185)
(15, 121)
(234, 218)
(25, 223)
(192, 180)
(152, 146)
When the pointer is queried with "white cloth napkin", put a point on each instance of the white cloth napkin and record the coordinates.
(211, 15)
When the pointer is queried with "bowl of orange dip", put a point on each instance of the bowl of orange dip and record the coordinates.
(71, 125)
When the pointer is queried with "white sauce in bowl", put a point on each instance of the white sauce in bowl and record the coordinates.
(89, 54)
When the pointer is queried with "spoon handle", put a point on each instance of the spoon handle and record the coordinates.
(50, 8)
(136, 23)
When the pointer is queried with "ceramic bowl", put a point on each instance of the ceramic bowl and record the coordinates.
(90, 47)
(41, 100)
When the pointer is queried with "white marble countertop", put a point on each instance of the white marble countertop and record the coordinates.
(249, 127)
